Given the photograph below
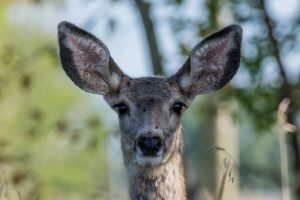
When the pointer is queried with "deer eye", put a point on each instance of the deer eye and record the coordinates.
(178, 108)
(121, 108)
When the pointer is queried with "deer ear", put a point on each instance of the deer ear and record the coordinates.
(86, 60)
(212, 63)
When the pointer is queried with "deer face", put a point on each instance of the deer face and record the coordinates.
(150, 108)
(149, 112)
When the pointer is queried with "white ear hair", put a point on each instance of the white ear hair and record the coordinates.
(115, 80)
(212, 63)
(87, 53)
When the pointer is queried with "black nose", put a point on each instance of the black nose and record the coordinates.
(150, 146)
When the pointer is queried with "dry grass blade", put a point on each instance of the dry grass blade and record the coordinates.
(229, 166)
(7, 192)
(3, 186)
(224, 177)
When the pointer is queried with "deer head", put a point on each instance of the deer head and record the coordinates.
(149, 108)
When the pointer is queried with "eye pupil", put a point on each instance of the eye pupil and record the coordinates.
(177, 108)
(121, 108)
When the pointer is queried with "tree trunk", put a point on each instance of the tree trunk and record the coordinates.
(156, 58)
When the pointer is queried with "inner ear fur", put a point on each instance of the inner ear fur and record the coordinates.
(212, 63)
(87, 61)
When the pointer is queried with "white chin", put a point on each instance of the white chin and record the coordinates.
(148, 161)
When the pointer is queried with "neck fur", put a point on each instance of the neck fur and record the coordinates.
(165, 182)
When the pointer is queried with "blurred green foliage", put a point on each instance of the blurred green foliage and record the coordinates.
(51, 145)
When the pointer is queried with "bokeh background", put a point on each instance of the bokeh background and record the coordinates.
(57, 142)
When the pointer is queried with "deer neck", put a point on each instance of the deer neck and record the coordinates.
(165, 182)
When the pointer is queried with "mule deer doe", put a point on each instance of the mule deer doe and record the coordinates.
(150, 108)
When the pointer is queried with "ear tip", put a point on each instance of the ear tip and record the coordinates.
(235, 29)
(65, 26)
(62, 25)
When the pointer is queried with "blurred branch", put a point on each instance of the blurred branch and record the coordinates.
(213, 6)
(144, 10)
(276, 49)
(286, 87)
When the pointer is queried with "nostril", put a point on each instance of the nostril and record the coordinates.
(142, 142)
(157, 142)
(150, 146)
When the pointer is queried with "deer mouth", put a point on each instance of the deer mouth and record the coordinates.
(149, 161)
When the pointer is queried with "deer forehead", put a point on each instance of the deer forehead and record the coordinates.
(150, 88)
